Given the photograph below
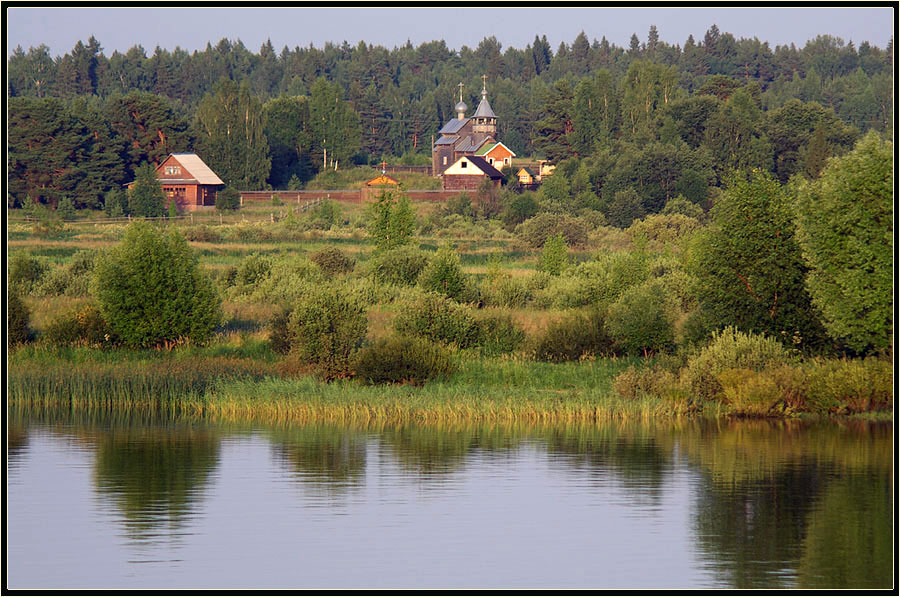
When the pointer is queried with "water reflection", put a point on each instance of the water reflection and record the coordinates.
(772, 505)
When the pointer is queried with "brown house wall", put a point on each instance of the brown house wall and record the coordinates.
(463, 182)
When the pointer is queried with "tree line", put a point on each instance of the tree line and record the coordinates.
(655, 119)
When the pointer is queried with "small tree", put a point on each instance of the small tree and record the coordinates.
(65, 208)
(17, 320)
(393, 221)
(444, 275)
(173, 209)
(152, 292)
(228, 199)
(146, 197)
(554, 256)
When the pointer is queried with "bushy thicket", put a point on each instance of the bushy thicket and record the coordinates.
(443, 275)
(403, 360)
(400, 265)
(439, 319)
(24, 271)
(326, 328)
(640, 321)
(574, 337)
(332, 261)
(69, 279)
(81, 327)
(535, 231)
(18, 317)
(152, 291)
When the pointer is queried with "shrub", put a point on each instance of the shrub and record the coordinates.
(730, 349)
(401, 265)
(18, 316)
(201, 234)
(439, 319)
(228, 199)
(290, 278)
(279, 334)
(499, 334)
(640, 320)
(444, 275)
(554, 256)
(84, 327)
(402, 359)
(24, 272)
(535, 231)
(572, 338)
(65, 208)
(151, 290)
(662, 231)
(332, 261)
(326, 329)
(683, 206)
(71, 279)
(503, 290)
(325, 215)
(253, 269)
(637, 382)
(146, 197)
(849, 385)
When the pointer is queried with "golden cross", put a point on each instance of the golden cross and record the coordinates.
(460, 90)
(484, 82)
(383, 166)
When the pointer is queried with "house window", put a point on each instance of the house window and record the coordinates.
(506, 161)
(445, 160)
(491, 161)
(463, 164)
(173, 170)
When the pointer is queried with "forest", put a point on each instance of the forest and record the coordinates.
(631, 128)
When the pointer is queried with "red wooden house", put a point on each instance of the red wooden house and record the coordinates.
(187, 180)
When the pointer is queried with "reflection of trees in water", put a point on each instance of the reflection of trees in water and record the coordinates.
(155, 475)
(772, 499)
(328, 455)
(16, 444)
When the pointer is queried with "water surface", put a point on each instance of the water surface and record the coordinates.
(148, 503)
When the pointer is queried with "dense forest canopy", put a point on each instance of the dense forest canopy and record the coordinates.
(657, 119)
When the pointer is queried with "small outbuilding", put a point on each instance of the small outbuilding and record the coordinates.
(188, 181)
(526, 176)
(468, 173)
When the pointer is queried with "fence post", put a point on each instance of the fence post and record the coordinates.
(192, 217)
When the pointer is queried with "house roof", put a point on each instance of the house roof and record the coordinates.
(472, 143)
(197, 168)
(526, 170)
(446, 140)
(489, 148)
(482, 165)
(382, 180)
(453, 126)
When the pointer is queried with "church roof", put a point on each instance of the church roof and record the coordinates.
(484, 109)
(472, 143)
(452, 126)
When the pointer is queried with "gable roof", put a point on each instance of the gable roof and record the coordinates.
(197, 168)
(472, 143)
(489, 148)
(483, 165)
(526, 170)
(452, 126)
(382, 180)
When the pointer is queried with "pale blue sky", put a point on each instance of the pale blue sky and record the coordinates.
(191, 27)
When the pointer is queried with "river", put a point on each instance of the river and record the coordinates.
(147, 502)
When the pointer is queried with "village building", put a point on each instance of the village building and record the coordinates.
(526, 176)
(379, 185)
(469, 136)
(187, 180)
(468, 173)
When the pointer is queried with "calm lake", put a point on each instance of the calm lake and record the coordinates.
(102, 501)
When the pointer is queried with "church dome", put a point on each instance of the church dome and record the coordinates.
(461, 107)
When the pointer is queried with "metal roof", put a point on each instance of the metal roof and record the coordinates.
(446, 141)
(482, 165)
(197, 168)
(453, 125)
(484, 110)
(472, 143)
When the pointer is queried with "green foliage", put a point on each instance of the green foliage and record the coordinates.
(115, 203)
(443, 274)
(326, 329)
(681, 205)
(151, 290)
(290, 278)
(332, 261)
(439, 319)
(325, 215)
(70, 279)
(146, 197)
(173, 209)
(518, 207)
(573, 338)
(400, 265)
(849, 386)
(535, 231)
(499, 334)
(640, 321)
(625, 208)
(65, 208)
(500, 289)
(253, 269)
(392, 221)
(845, 230)
(403, 360)
(228, 199)
(663, 232)
(554, 255)
(278, 331)
(748, 267)
(82, 327)
(18, 317)
(25, 272)
(730, 349)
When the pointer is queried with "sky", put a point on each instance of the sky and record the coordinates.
(191, 27)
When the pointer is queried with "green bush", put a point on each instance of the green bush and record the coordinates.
(290, 278)
(503, 290)
(152, 291)
(332, 261)
(279, 333)
(637, 382)
(554, 255)
(18, 316)
(401, 265)
(326, 329)
(201, 234)
(228, 199)
(253, 269)
(535, 231)
(25, 272)
(662, 232)
(749, 393)
(730, 349)
(499, 334)
(83, 327)
(403, 360)
(70, 279)
(641, 320)
(443, 274)
(440, 319)
(573, 338)
(848, 386)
